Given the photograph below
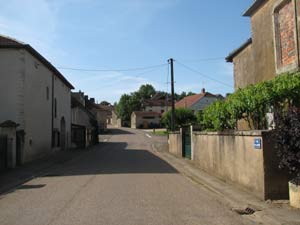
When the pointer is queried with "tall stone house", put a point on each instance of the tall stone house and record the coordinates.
(35, 96)
(274, 46)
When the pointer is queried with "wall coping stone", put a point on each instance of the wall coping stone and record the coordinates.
(233, 133)
(175, 132)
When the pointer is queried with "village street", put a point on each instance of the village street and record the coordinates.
(119, 181)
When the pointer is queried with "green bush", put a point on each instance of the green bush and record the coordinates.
(182, 117)
(252, 103)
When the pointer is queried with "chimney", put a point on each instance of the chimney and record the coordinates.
(203, 90)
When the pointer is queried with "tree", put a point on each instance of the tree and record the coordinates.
(182, 117)
(128, 104)
(105, 103)
(146, 91)
(123, 108)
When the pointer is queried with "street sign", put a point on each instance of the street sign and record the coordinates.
(257, 143)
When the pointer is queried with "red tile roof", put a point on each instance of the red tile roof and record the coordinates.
(192, 99)
(8, 42)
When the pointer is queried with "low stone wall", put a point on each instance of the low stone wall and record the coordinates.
(234, 158)
(175, 143)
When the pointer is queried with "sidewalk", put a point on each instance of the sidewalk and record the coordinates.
(14, 177)
(240, 201)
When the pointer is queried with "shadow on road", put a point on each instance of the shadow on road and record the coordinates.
(115, 158)
(34, 186)
(116, 131)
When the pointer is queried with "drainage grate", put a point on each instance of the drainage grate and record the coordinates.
(246, 211)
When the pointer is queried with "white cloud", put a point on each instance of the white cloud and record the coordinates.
(41, 24)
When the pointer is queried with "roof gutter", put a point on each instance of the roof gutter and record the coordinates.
(254, 7)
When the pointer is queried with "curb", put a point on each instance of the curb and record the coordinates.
(237, 199)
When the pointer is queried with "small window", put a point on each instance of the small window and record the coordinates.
(149, 117)
(47, 93)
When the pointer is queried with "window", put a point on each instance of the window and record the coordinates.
(55, 108)
(285, 36)
(149, 117)
(47, 93)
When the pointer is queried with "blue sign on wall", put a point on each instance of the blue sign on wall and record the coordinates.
(257, 143)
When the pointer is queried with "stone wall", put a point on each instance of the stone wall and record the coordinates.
(175, 143)
(233, 158)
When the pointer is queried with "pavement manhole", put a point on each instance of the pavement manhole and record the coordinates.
(246, 211)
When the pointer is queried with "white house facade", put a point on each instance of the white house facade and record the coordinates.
(36, 96)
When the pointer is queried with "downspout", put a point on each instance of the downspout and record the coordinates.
(297, 33)
(52, 105)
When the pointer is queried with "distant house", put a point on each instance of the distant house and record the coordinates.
(115, 121)
(37, 97)
(158, 103)
(84, 123)
(101, 113)
(274, 45)
(109, 109)
(198, 102)
(142, 119)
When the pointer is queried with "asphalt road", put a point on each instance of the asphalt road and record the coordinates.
(118, 182)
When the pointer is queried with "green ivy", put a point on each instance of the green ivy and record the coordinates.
(252, 103)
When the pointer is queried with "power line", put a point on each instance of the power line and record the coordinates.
(203, 75)
(137, 76)
(204, 60)
(112, 70)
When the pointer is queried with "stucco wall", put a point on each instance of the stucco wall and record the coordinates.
(101, 116)
(139, 121)
(114, 120)
(23, 88)
(243, 68)
(175, 143)
(257, 62)
(63, 95)
(233, 158)
(80, 117)
(133, 121)
(263, 42)
(37, 108)
(11, 64)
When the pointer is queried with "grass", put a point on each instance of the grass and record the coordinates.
(160, 133)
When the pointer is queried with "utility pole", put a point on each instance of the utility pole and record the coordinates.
(172, 95)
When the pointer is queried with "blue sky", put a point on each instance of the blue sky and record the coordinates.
(122, 34)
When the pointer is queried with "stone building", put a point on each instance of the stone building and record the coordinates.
(274, 46)
(84, 123)
(145, 120)
(158, 103)
(37, 97)
(198, 102)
